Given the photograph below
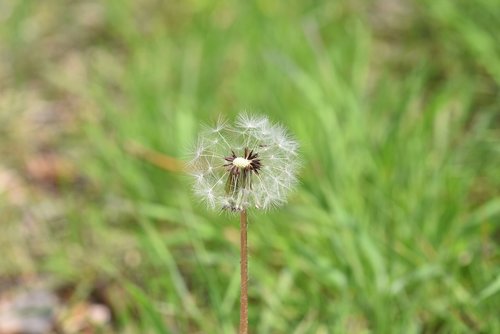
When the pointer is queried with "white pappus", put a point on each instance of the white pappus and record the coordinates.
(252, 163)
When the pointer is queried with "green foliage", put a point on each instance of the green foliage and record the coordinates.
(394, 227)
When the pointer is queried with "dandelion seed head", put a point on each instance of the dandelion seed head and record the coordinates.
(252, 163)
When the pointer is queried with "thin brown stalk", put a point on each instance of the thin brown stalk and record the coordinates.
(244, 274)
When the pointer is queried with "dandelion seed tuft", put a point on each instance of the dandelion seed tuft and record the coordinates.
(250, 164)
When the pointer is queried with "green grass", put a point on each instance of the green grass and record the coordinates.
(394, 226)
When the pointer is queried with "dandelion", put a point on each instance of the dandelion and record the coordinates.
(251, 164)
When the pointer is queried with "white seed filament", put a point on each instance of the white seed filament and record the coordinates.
(249, 164)
(241, 162)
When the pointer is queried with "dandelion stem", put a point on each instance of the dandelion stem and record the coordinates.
(244, 274)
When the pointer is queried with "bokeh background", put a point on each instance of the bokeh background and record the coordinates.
(394, 227)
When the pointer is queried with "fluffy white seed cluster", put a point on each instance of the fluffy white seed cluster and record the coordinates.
(252, 163)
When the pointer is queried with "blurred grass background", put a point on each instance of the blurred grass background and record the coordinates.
(393, 229)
